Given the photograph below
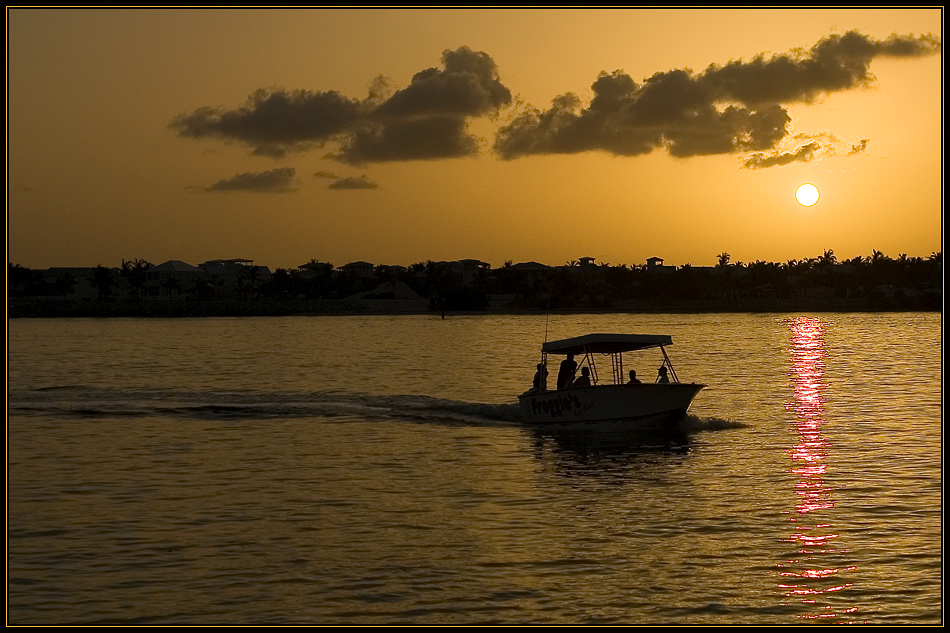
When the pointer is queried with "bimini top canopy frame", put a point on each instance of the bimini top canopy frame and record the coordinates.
(606, 343)
(613, 345)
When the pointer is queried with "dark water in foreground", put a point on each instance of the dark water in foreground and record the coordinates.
(373, 470)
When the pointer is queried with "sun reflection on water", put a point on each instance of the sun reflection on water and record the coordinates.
(806, 578)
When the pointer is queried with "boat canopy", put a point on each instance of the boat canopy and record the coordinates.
(606, 343)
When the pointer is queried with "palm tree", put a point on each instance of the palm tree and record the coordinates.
(134, 271)
(22, 280)
(201, 288)
(65, 284)
(249, 274)
(103, 281)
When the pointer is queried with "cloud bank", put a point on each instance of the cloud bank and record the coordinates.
(740, 107)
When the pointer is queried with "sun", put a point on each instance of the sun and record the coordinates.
(807, 195)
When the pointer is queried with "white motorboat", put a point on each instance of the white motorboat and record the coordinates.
(616, 400)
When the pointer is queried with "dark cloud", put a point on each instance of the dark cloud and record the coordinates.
(838, 62)
(272, 181)
(803, 154)
(275, 122)
(429, 118)
(859, 147)
(346, 182)
(426, 120)
(628, 120)
(738, 107)
(466, 86)
(354, 183)
(426, 138)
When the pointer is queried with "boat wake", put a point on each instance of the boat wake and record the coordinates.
(90, 402)
(690, 422)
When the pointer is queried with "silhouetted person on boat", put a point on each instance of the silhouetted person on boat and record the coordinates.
(565, 375)
(541, 378)
(584, 379)
(661, 375)
(633, 378)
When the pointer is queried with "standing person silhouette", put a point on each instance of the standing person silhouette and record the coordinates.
(565, 374)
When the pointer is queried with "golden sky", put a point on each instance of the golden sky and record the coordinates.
(399, 136)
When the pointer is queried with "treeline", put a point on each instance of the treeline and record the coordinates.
(876, 282)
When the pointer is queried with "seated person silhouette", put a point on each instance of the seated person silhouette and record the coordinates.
(541, 378)
(633, 378)
(584, 379)
(661, 375)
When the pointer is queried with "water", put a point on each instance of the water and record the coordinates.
(372, 470)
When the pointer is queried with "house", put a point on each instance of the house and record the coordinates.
(314, 269)
(235, 274)
(530, 271)
(170, 279)
(468, 270)
(594, 275)
(359, 269)
(655, 265)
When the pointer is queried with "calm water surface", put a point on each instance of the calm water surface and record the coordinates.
(373, 470)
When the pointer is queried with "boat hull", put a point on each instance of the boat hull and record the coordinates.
(642, 402)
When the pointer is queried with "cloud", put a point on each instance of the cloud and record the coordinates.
(803, 154)
(272, 181)
(428, 119)
(275, 122)
(835, 63)
(860, 147)
(347, 182)
(423, 121)
(669, 111)
(425, 138)
(354, 183)
(466, 86)
(738, 107)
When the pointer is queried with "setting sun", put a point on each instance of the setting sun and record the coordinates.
(807, 195)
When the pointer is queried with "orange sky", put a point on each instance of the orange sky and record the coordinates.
(137, 134)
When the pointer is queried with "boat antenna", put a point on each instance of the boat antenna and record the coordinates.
(547, 315)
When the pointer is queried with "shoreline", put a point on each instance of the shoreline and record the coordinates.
(18, 309)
